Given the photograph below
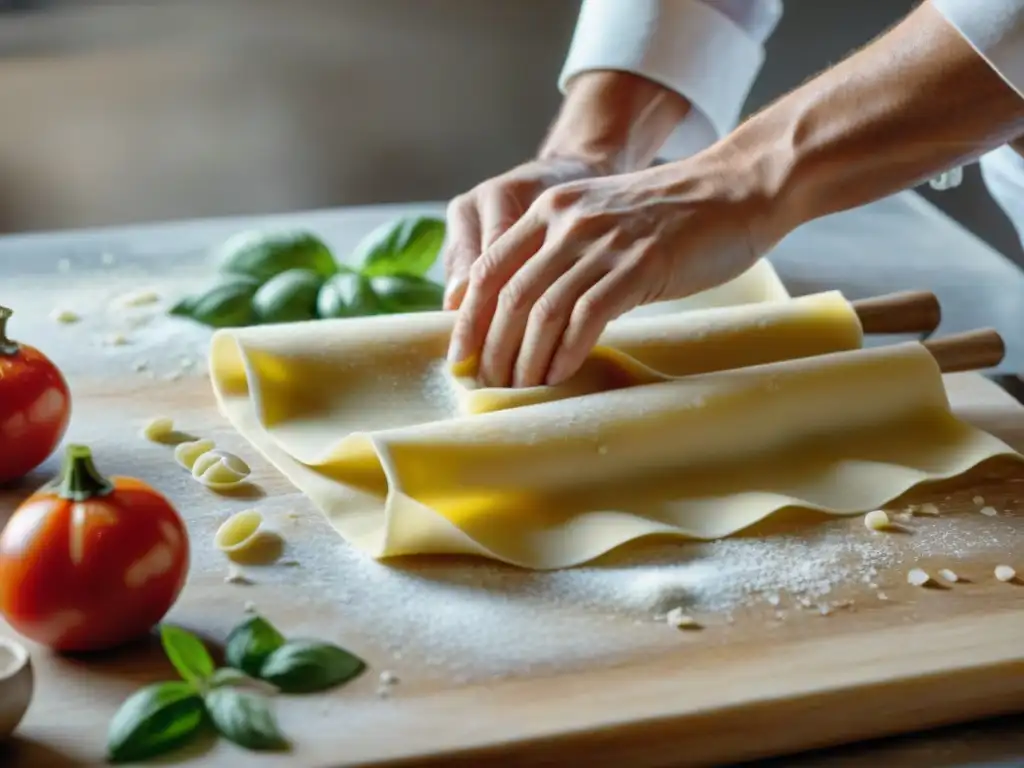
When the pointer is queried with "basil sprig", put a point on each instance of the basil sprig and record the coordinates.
(164, 716)
(291, 276)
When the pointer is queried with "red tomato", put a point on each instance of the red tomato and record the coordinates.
(35, 405)
(88, 563)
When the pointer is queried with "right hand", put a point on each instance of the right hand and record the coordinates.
(479, 217)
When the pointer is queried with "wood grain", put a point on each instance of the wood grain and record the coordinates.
(920, 658)
(902, 312)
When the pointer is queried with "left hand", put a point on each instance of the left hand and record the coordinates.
(588, 251)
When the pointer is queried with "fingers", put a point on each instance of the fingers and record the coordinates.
(617, 292)
(461, 249)
(549, 317)
(522, 302)
(488, 276)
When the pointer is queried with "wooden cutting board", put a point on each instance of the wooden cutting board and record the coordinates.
(517, 677)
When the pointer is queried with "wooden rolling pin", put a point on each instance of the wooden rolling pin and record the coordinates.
(904, 312)
(971, 351)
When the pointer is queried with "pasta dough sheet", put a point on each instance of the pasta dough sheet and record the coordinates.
(653, 349)
(363, 417)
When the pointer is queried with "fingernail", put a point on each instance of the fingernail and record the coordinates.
(556, 373)
(454, 293)
(456, 351)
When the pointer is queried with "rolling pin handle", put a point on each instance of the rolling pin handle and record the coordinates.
(904, 312)
(972, 351)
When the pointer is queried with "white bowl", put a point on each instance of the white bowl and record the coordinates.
(16, 684)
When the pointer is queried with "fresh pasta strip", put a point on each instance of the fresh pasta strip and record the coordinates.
(710, 430)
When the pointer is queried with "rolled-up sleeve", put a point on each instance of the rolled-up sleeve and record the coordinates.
(708, 51)
(995, 28)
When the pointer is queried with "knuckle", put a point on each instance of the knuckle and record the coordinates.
(482, 272)
(459, 206)
(515, 296)
(548, 311)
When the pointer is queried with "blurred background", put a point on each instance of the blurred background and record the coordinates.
(131, 111)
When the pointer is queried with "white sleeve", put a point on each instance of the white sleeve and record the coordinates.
(995, 28)
(709, 51)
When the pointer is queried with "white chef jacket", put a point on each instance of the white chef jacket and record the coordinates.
(710, 51)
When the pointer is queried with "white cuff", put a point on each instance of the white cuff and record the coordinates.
(995, 29)
(684, 45)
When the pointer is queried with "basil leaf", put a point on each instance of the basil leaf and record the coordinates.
(264, 255)
(288, 297)
(407, 246)
(244, 718)
(230, 676)
(153, 720)
(250, 643)
(225, 305)
(305, 666)
(347, 295)
(403, 293)
(187, 653)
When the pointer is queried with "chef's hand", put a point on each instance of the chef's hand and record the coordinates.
(587, 251)
(479, 217)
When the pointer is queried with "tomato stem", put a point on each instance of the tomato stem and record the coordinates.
(80, 480)
(7, 347)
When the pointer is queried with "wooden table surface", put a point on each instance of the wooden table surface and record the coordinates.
(971, 633)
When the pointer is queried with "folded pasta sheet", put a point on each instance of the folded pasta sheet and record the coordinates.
(696, 424)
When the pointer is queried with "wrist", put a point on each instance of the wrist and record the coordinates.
(614, 122)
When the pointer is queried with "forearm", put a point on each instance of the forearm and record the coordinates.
(613, 120)
(915, 102)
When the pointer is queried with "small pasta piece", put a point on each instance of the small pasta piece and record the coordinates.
(65, 316)
(220, 470)
(187, 453)
(877, 520)
(239, 532)
(139, 298)
(158, 430)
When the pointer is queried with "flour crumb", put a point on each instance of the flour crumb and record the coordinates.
(882, 596)
(1005, 573)
(249, 607)
(680, 620)
(773, 599)
(918, 577)
(979, 501)
(929, 510)
(989, 511)
(948, 575)
(386, 683)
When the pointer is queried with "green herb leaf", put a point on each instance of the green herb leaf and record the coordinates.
(407, 246)
(244, 718)
(230, 676)
(305, 666)
(250, 643)
(288, 297)
(187, 653)
(263, 255)
(403, 293)
(153, 720)
(227, 304)
(347, 295)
